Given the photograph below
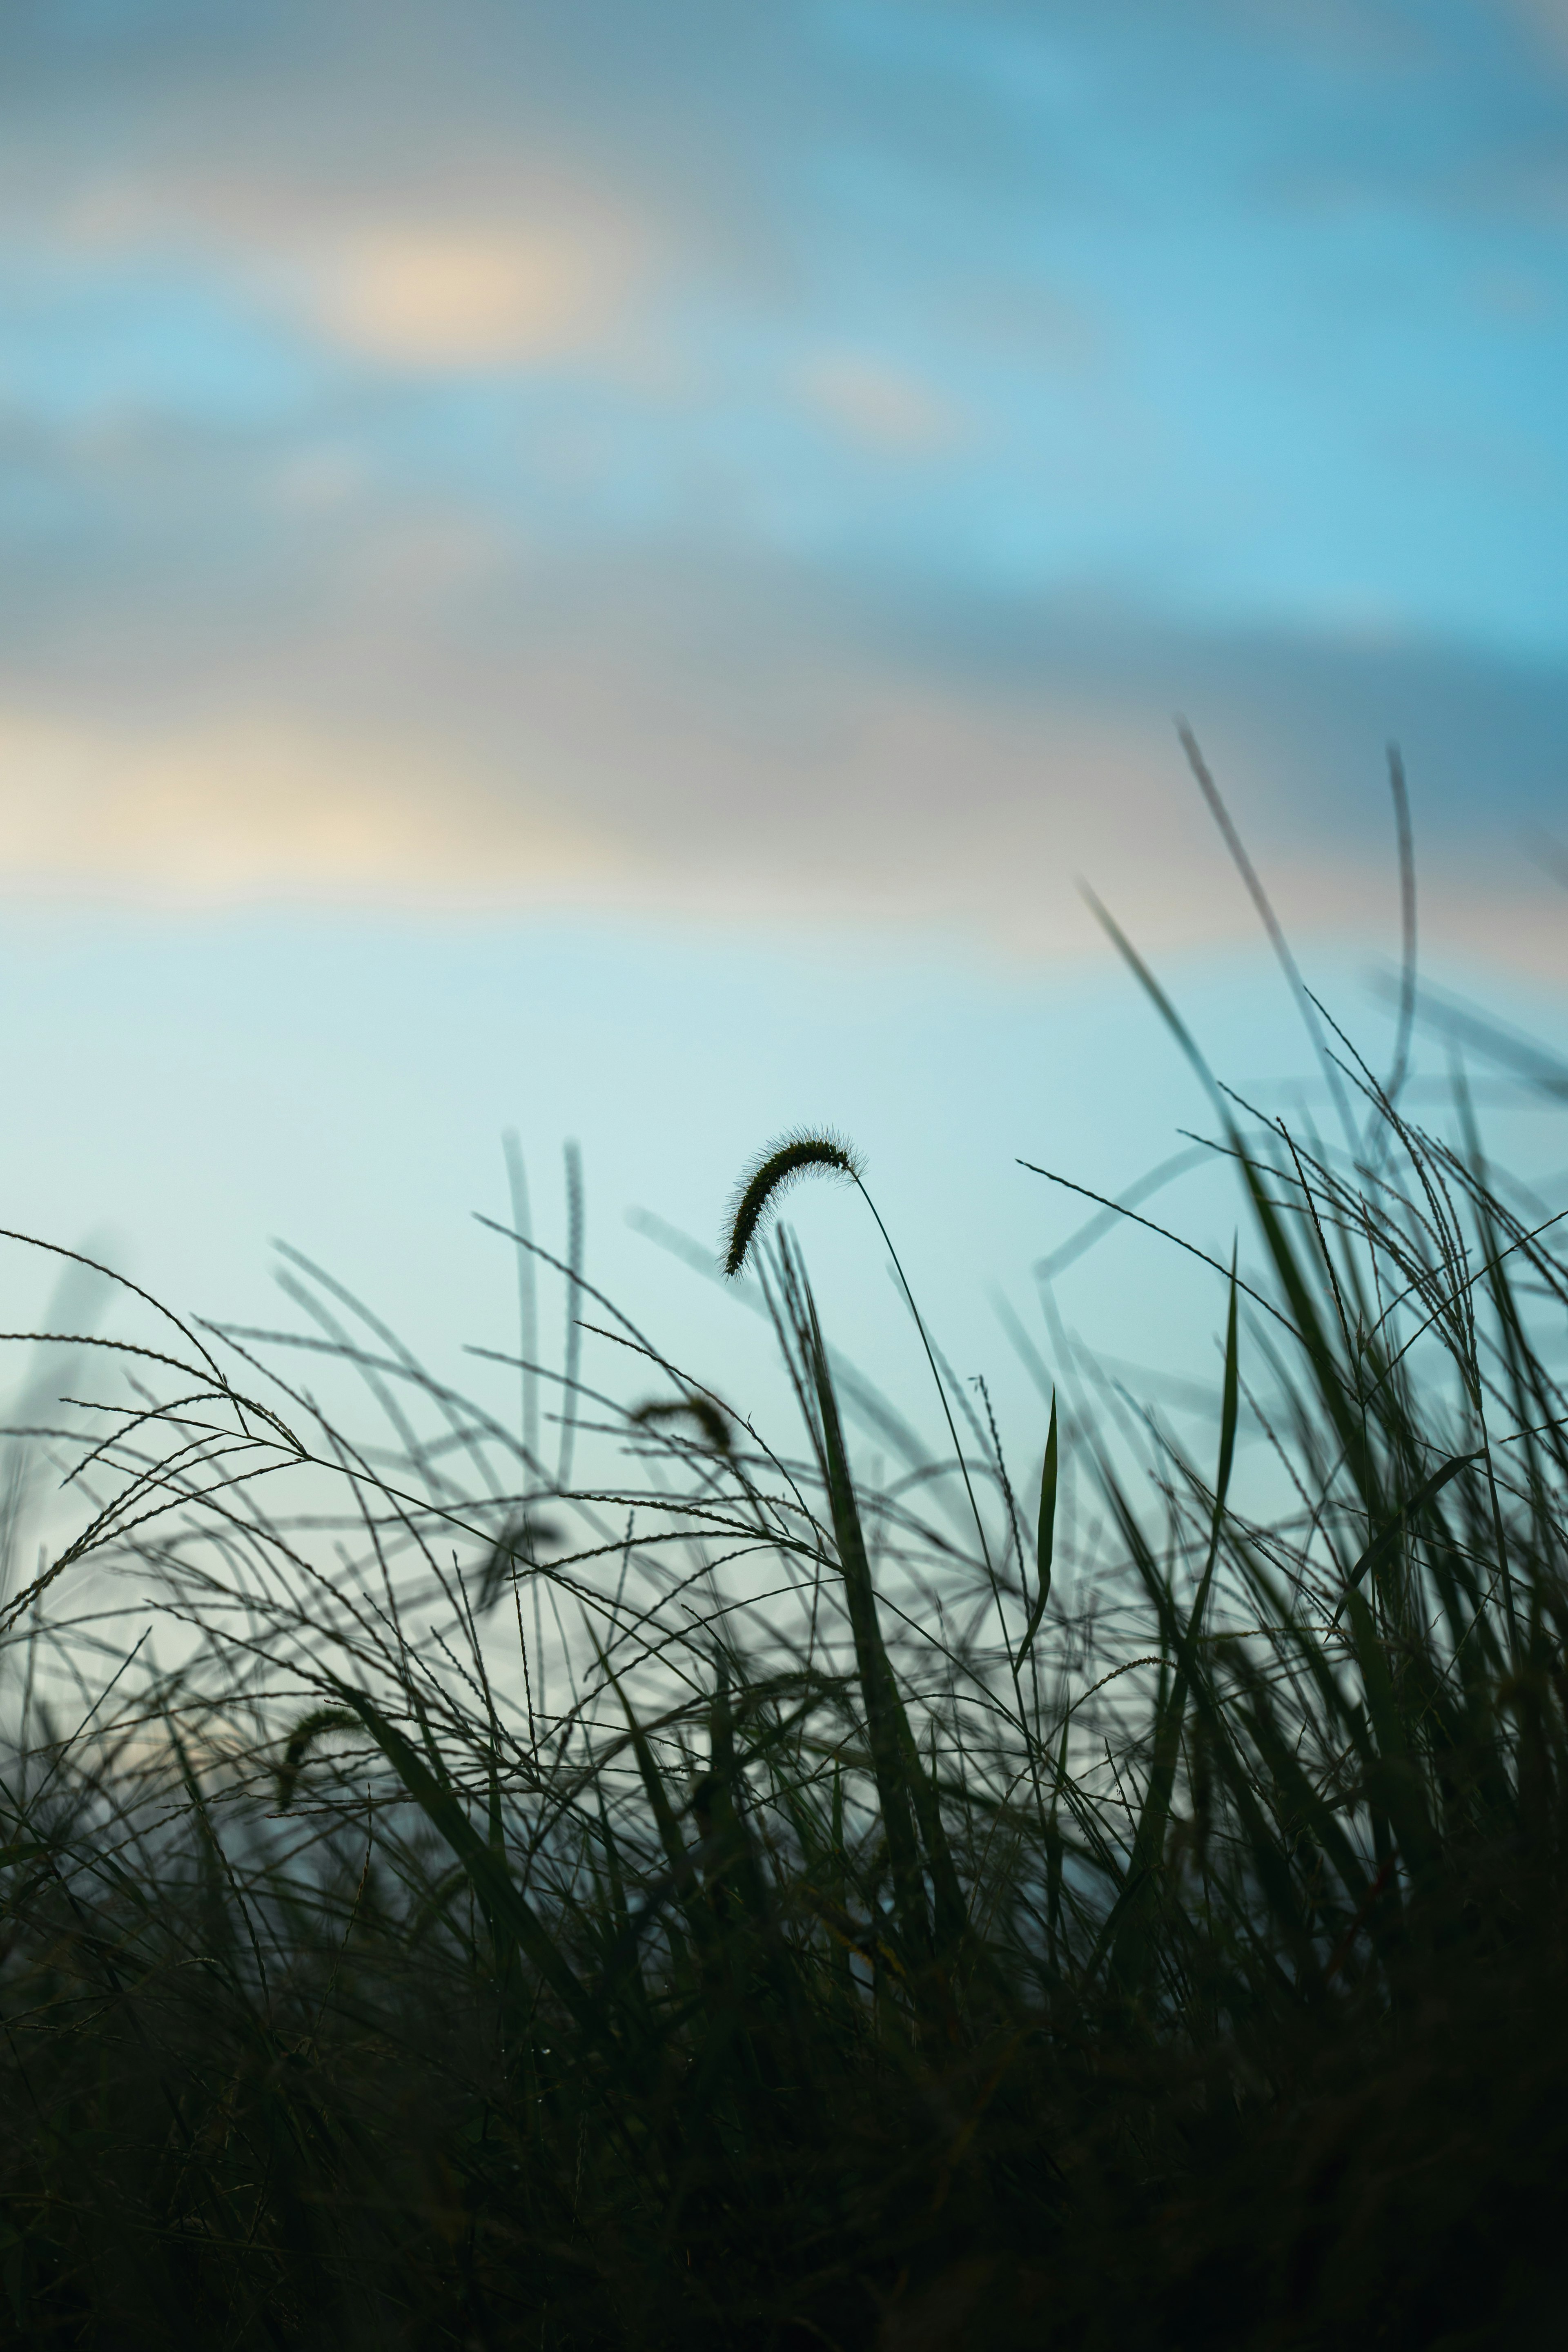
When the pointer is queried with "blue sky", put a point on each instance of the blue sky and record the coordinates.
(634, 417)
(759, 480)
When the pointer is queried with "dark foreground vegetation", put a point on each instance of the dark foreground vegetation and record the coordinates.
(627, 1879)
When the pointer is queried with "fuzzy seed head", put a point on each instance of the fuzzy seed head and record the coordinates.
(708, 1417)
(777, 1167)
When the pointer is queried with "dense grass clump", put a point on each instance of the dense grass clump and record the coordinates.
(725, 1901)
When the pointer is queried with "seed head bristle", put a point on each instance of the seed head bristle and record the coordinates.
(777, 1166)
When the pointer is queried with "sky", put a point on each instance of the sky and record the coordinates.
(549, 548)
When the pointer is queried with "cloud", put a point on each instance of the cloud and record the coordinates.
(882, 406)
(424, 295)
(756, 750)
(543, 271)
(255, 806)
(623, 791)
(445, 612)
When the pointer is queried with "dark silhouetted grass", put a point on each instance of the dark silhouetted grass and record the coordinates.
(725, 1902)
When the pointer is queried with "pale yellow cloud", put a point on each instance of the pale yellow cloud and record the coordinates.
(428, 296)
(539, 270)
(247, 806)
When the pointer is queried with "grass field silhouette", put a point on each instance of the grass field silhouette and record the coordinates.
(622, 1876)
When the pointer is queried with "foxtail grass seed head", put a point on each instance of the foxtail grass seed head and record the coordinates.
(303, 1736)
(707, 1417)
(779, 1165)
